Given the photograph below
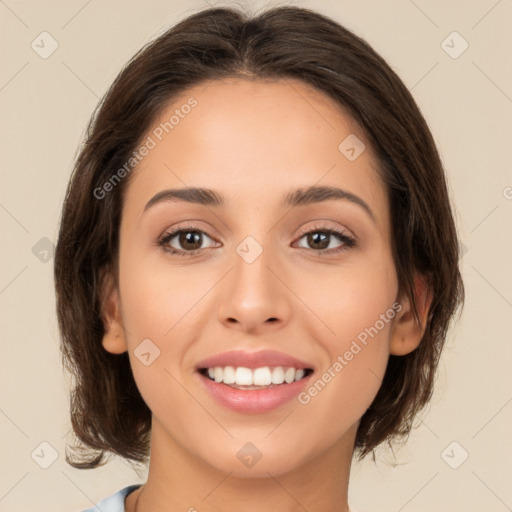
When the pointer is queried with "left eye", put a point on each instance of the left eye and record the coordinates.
(322, 239)
(189, 240)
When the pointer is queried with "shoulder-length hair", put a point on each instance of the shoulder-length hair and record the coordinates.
(108, 413)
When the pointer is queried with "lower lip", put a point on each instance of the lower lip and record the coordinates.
(253, 401)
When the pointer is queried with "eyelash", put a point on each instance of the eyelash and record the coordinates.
(348, 242)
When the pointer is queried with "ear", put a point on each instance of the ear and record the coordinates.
(407, 332)
(114, 339)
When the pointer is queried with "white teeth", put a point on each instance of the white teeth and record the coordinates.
(263, 376)
(299, 374)
(278, 375)
(229, 375)
(289, 375)
(243, 376)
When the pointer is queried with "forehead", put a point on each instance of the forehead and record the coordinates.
(254, 140)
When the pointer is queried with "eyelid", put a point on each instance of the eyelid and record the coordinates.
(323, 225)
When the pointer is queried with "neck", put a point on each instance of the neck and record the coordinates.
(180, 481)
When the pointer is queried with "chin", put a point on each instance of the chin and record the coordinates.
(247, 461)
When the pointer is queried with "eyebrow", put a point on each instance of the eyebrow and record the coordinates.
(298, 197)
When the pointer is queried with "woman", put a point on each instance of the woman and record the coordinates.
(257, 265)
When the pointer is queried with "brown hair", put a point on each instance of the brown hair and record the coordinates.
(108, 413)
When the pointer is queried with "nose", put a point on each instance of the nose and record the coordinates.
(255, 297)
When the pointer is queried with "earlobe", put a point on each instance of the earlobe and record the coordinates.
(114, 339)
(407, 332)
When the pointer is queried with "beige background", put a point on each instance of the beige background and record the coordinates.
(45, 105)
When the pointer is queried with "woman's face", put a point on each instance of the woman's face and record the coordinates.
(246, 275)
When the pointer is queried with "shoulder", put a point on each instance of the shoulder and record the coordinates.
(114, 503)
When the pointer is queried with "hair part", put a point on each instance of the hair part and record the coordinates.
(214, 44)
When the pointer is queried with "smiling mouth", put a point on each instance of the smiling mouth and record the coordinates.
(258, 378)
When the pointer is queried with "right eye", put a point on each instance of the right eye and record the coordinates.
(188, 238)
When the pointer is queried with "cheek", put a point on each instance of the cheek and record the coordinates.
(156, 298)
(351, 299)
(357, 308)
(156, 319)
(154, 309)
(345, 387)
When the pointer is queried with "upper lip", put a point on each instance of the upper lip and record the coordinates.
(241, 358)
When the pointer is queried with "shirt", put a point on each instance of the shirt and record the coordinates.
(115, 503)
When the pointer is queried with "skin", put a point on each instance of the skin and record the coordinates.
(253, 142)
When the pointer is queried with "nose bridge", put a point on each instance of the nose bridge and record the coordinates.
(254, 293)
